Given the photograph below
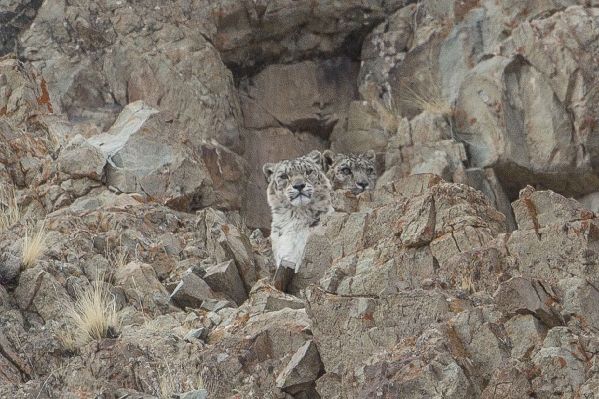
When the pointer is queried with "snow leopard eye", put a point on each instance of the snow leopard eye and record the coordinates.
(370, 171)
(346, 171)
(283, 176)
(309, 172)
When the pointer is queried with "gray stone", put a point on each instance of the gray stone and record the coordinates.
(308, 96)
(38, 291)
(561, 364)
(293, 32)
(82, 159)
(579, 300)
(196, 333)
(526, 334)
(369, 324)
(300, 374)
(10, 267)
(141, 285)
(196, 394)
(214, 305)
(225, 278)
(191, 291)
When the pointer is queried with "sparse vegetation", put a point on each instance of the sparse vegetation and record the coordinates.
(10, 213)
(426, 96)
(117, 256)
(34, 245)
(169, 383)
(93, 314)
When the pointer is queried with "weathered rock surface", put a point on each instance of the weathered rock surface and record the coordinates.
(137, 132)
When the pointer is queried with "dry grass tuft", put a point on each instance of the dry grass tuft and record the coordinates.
(34, 245)
(93, 314)
(10, 213)
(118, 256)
(170, 384)
(68, 341)
(467, 283)
(426, 97)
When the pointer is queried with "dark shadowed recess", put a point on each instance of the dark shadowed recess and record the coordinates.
(12, 22)
(351, 48)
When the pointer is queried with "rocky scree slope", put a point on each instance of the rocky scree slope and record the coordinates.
(134, 134)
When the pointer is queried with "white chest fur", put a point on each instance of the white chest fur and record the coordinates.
(289, 241)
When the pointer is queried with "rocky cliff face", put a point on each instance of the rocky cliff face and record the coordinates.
(132, 136)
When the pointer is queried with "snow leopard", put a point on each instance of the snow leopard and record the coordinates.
(353, 172)
(299, 194)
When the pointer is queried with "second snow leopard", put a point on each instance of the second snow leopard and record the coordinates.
(353, 172)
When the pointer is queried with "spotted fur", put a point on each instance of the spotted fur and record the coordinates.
(354, 172)
(296, 209)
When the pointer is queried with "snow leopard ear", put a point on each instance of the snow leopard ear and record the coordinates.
(316, 157)
(328, 158)
(268, 169)
(370, 155)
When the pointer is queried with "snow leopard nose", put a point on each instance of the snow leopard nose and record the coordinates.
(362, 184)
(299, 186)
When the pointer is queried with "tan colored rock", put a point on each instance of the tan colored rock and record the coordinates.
(38, 291)
(523, 296)
(81, 159)
(509, 381)
(141, 286)
(350, 329)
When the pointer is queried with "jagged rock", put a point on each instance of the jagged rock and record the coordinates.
(81, 159)
(560, 364)
(579, 298)
(415, 368)
(191, 291)
(360, 315)
(141, 285)
(198, 333)
(23, 92)
(509, 381)
(38, 291)
(557, 238)
(526, 333)
(481, 269)
(252, 346)
(300, 374)
(523, 296)
(226, 241)
(498, 87)
(225, 278)
(329, 386)
(483, 338)
(10, 267)
(139, 156)
(197, 394)
(214, 305)
(539, 209)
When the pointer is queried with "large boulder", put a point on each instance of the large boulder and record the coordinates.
(149, 153)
